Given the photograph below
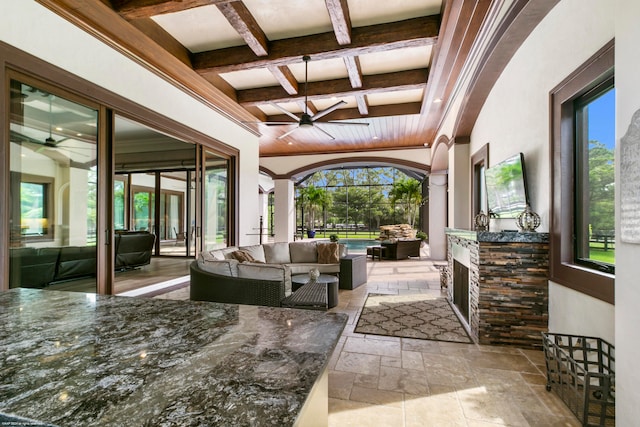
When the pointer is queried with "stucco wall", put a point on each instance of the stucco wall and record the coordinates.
(515, 118)
(627, 255)
(34, 29)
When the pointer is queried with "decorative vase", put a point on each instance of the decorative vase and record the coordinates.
(311, 234)
(314, 273)
(481, 221)
(528, 220)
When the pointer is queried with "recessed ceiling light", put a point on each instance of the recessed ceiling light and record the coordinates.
(78, 134)
(375, 137)
(58, 129)
(289, 143)
(437, 100)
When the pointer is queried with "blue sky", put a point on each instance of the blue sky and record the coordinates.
(602, 119)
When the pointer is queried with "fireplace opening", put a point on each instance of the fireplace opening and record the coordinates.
(461, 288)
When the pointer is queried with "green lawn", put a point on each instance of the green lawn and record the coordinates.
(599, 254)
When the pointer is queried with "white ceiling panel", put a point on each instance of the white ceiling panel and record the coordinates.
(200, 29)
(320, 70)
(399, 97)
(362, 13)
(248, 79)
(396, 60)
(280, 19)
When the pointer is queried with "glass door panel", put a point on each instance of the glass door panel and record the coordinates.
(53, 200)
(215, 200)
(173, 195)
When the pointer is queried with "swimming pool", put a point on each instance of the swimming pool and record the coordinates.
(359, 245)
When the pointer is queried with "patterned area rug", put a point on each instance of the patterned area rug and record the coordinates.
(411, 316)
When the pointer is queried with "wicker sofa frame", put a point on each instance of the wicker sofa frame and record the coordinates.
(234, 290)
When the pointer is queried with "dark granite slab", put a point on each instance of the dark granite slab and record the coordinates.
(73, 359)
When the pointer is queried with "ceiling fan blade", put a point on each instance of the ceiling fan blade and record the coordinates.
(288, 113)
(284, 135)
(272, 123)
(327, 110)
(324, 131)
(345, 123)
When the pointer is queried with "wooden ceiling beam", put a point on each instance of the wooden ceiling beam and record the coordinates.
(158, 34)
(377, 83)
(246, 25)
(285, 77)
(352, 63)
(339, 14)
(413, 32)
(409, 108)
(136, 9)
(363, 106)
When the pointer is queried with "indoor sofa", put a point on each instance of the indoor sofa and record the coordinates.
(38, 267)
(264, 276)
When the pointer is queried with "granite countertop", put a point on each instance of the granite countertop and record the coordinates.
(74, 359)
(505, 236)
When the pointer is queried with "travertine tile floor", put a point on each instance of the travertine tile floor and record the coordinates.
(398, 382)
(386, 381)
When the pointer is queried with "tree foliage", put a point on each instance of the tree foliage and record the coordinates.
(407, 193)
(601, 187)
(314, 200)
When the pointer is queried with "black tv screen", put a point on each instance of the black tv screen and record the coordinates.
(507, 188)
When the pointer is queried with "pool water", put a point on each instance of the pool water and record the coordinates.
(355, 246)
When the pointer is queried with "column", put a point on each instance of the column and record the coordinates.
(284, 210)
(438, 215)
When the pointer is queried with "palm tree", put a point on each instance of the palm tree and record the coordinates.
(408, 193)
(313, 200)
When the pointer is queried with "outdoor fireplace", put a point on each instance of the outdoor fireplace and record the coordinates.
(498, 285)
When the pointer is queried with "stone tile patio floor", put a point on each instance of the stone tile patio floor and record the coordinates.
(398, 382)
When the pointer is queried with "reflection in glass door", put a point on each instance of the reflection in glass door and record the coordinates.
(174, 187)
(53, 200)
(215, 201)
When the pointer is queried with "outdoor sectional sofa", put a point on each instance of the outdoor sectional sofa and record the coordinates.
(401, 248)
(265, 279)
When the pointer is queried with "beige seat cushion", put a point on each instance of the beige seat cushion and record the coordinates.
(226, 267)
(303, 252)
(303, 268)
(277, 253)
(256, 251)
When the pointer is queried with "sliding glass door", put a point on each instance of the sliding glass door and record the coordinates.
(54, 190)
(216, 201)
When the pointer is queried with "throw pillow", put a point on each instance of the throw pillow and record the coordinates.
(328, 253)
(242, 256)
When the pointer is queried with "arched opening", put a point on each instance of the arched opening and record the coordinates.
(438, 201)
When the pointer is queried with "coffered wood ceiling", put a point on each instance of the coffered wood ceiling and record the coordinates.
(395, 63)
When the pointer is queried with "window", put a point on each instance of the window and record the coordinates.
(582, 255)
(34, 212)
(595, 178)
(479, 162)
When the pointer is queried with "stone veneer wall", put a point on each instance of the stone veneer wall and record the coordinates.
(509, 272)
(474, 281)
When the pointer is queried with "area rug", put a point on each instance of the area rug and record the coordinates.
(411, 316)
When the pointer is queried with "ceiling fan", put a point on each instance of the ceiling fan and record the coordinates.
(50, 143)
(307, 120)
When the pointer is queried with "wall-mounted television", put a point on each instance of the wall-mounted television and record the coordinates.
(507, 188)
